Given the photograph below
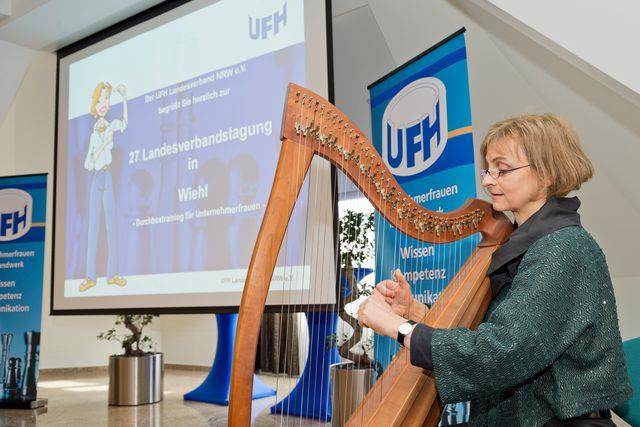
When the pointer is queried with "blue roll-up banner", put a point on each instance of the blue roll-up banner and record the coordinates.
(421, 125)
(23, 202)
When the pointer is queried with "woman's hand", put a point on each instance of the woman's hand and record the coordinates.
(396, 294)
(377, 314)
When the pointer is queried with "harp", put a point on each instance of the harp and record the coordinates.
(404, 394)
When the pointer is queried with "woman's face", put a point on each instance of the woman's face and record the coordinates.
(102, 106)
(520, 191)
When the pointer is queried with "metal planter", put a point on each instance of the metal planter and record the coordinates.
(135, 380)
(349, 385)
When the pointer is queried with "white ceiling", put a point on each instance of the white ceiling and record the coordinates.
(27, 26)
(51, 24)
(601, 34)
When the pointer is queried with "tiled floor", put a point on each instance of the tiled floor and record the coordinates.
(81, 400)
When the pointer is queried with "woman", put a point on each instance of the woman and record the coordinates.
(549, 350)
(98, 162)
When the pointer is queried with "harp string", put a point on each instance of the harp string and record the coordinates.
(345, 271)
(341, 273)
(284, 300)
(305, 342)
(336, 253)
(313, 252)
(379, 244)
(368, 190)
(313, 111)
(287, 290)
(322, 261)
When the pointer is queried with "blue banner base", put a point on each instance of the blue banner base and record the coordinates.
(215, 388)
(311, 397)
(27, 404)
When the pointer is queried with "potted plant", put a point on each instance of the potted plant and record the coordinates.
(135, 377)
(352, 380)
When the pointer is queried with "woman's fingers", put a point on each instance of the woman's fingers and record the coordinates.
(386, 288)
(402, 282)
(361, 314)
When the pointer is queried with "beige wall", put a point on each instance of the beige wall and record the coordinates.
(7, 146)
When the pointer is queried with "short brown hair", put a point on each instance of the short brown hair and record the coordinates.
(552, 148)
(96, 95)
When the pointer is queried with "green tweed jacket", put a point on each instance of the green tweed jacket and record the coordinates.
(549, 345)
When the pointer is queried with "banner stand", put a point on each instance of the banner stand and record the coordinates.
(22, 235)
(313, 388)
(215, 388)
(422, 127)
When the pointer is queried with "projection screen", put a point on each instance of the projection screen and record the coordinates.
(168, 135)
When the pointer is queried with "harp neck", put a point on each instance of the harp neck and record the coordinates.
(312, 122)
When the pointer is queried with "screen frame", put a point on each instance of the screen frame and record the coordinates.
(117, 28)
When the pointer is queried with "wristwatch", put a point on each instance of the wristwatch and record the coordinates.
(405, 329)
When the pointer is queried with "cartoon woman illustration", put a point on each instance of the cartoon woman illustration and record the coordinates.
(101, 196)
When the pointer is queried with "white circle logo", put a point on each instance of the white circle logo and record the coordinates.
(15, 214)
(414, 127)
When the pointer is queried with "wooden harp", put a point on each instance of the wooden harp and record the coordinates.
(312, 126)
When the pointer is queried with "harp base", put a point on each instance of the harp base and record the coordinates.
(215, 388)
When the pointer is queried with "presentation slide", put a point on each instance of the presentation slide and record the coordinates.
(168, 140)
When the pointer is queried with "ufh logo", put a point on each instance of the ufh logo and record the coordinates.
(15, 214)
(414, 127)
(271, 24)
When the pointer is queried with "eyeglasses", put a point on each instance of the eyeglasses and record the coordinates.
(495, 174)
